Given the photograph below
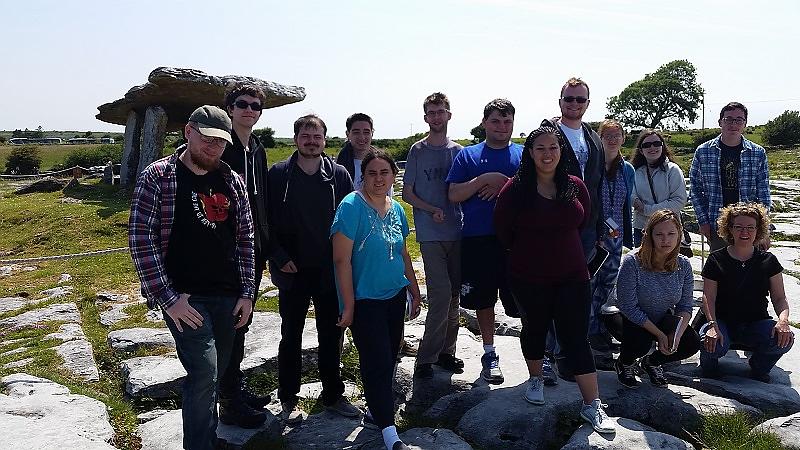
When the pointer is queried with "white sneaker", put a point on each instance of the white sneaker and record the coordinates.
(534, 393)
(290, 413)
(596, 415)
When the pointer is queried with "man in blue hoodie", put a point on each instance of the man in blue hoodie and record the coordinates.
(304, 192)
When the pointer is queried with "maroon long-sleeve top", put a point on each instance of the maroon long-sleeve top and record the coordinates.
(543, 235)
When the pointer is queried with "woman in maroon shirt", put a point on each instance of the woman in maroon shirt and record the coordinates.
(538, 217)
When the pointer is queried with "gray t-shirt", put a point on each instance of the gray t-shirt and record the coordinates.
(426, 169)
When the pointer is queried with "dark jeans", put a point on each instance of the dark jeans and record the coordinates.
(230, 382)
(377, 330)
(755, 335)
(202, 352)
(636, 342)
(566, 307)
(293, 307)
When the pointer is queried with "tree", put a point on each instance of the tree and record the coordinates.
(666, 97)
(267, 137)
(783, 130)
(479, 133)
(23, 160)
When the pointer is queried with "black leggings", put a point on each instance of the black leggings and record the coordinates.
(636, 342)
(377, 330)
(566, 305)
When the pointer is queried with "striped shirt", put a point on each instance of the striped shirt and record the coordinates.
(150, 226)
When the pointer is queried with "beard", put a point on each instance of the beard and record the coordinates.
(204, 162)
(310, 152)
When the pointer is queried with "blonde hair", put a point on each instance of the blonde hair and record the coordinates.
(729, 213)
(647, 253)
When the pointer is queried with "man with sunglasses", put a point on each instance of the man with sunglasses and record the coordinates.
(585, 159)
(191, 240)
(725, 170)
(246, 156)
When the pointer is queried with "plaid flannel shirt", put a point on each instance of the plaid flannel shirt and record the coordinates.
(706, 186)
(150, 225)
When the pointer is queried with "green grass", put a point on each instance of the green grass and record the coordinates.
(52, 155)
(732, 432)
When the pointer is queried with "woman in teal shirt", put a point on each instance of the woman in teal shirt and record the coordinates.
(373, 276)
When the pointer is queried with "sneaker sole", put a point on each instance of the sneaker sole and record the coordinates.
(599, 430)
(537, 402)
(491, 379)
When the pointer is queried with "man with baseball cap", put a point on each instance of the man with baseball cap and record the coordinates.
(191, 240)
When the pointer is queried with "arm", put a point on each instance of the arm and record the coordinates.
(412, 279)
(676, 185)
(486, 185)
(245, 253)
(778, 295)
(411, 198)
(275, 252)
(342, 254)
(762, 183)
(697, 195)
(684, 306)
(712, 334)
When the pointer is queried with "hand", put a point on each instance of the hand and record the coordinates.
(438, 215)
(764, 243)
(493, 182)
(784, 333)
(488, 192)
(242, 310)
(346, 319)
(663, 344)
(710, 338)
(638, 205)
(289, 267)
(415, 307)
(182, 311)
(705, 230)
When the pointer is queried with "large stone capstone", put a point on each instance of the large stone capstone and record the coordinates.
(181, 91)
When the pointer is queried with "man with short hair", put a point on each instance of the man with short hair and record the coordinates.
(246, 156)
(728, 169)
(583, 151)
(438, 231)
(476, 177)
(359, 129)
(191, 240)
(304, 192)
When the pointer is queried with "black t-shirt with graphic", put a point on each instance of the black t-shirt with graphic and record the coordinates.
(742, 287)
(729, 161)
(201, 254)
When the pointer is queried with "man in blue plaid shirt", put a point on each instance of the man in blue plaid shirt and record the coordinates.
(727, 169)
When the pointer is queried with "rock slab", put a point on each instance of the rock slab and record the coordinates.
(153, 376)
(786, 428)
(630, 435)
(131, 339)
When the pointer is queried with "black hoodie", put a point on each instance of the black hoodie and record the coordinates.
(285, 232)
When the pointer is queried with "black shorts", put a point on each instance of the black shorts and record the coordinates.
(484, 275)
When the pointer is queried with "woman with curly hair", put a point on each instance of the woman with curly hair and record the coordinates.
(540, 211)
(736, 281)
(659, 181)
(654, 288)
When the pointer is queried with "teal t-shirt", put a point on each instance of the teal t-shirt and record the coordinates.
(378, 267)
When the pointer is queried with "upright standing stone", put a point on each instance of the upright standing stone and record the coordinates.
(130, 150)
(154, 130)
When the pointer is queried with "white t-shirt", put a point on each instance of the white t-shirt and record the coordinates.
(578, 142)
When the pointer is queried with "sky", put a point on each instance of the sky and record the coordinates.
(61, 60)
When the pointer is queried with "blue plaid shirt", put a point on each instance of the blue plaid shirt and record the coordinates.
(706, 186)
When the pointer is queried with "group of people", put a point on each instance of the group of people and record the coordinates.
(540, 226)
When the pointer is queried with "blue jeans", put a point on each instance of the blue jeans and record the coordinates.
(755, 335)
(201, 352)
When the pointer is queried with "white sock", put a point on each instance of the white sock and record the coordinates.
(488, 348)
(390, 436)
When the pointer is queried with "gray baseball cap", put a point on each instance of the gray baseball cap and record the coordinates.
(213, 122)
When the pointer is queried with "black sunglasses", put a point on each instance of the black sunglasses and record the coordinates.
(650, 144)
(241, 104)
(570, 99)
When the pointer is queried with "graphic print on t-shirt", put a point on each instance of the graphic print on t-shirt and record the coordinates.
(211, 208)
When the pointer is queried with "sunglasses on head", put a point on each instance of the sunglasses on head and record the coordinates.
(241, 104)
(650, 144)
(570, 99)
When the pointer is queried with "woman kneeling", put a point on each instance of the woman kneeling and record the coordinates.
(654, 293)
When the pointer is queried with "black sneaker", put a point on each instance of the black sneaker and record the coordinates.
(626, 374)
(423, 371)
(450, 363)
(656, 373)
(236, 412)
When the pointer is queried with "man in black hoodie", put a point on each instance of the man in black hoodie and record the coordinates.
(304, 193)
(247, 157)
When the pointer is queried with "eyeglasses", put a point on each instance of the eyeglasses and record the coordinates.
(440, 112)
(748, 228)
(614, 136)
(570, 99)
(733, 120)
(650, 144)
(218, 142)
(241, 104)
